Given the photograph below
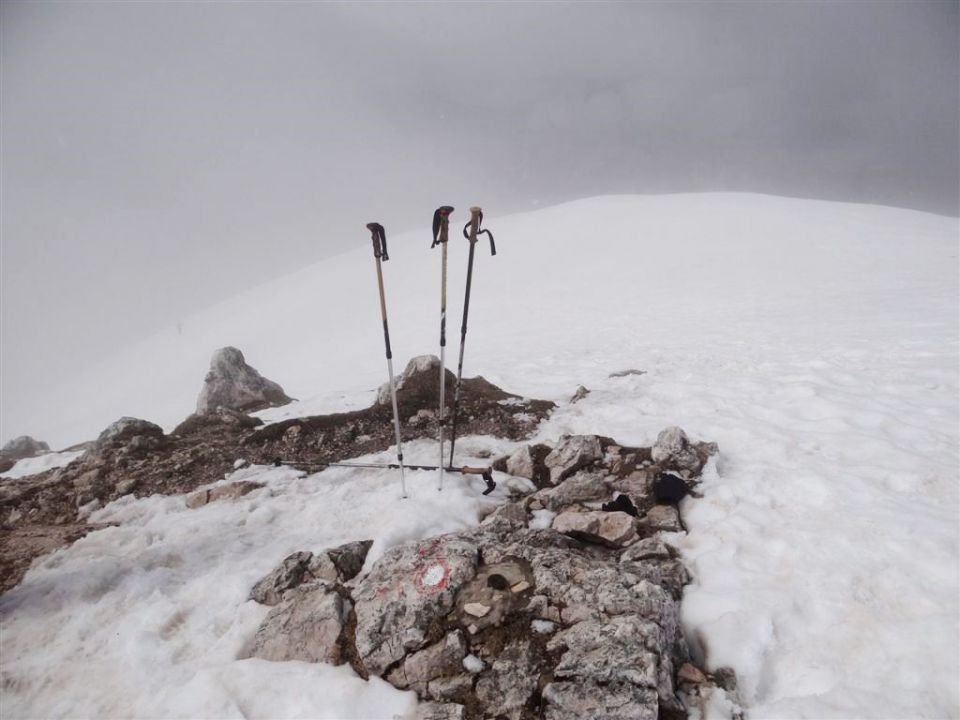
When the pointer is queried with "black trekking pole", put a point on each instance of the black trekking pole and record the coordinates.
(476, 218)
(441, 223)
(379, 238)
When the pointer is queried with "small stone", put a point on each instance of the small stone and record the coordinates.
(125, 487)
(691, 674)
(476, 609)
(520, 586)
(472, 629)
(580, 394)
(663, 517)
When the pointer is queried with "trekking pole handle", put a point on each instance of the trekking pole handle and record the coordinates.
(379, 237)
(476, 218)
(485, 473)
(441, 224)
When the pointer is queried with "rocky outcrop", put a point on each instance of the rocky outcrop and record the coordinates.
(418, 383)
(132, 433)
(23, 447)
(231, 383)
(230, 491)
(512, 620)
(572, 454)
(338, 564)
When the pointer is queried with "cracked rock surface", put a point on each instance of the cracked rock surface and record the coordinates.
(513, 621)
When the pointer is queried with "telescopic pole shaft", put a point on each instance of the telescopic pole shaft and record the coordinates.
(475, 214)
(379, 251)
(441, 225)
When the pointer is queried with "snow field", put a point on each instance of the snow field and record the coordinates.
(816, 342)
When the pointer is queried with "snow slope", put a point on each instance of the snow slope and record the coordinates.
(816, 342)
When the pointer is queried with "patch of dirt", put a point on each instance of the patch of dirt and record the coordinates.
(204, 448)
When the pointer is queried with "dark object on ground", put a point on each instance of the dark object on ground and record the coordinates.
(622, 503)
(669, 488)
(625, 373)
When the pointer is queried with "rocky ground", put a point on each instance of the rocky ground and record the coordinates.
(563, 604)
(41, 512)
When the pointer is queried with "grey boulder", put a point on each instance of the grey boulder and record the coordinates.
(231, 383)
(24, 447)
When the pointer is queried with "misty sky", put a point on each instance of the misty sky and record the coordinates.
(158, 157)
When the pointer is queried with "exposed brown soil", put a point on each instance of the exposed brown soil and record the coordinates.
(41, 512)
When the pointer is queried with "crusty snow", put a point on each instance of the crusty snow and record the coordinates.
(41, 463)
(816, 342)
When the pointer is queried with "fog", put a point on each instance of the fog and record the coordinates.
(158, 157)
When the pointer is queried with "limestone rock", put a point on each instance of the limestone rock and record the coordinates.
(305, 626)
(438, 660)
(624, 648)
(582, 487)
(672, 449)
(440, 711)
(231, 383)
(527, 461)
(221, 492)
(663, 517)
(405, 594)
(23, 447)
(652, 548)
(616, 529)
(127, 429)
(338, 564)
(514, 678)
(572, 454)
(418, 383)
(588, 699)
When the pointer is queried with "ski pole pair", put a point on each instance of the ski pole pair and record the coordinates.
(471, 232)
(441, 220)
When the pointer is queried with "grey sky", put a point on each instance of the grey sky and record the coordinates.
(159, 156)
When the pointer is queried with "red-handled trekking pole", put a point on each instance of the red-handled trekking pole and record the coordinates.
(441, 224)
(471, 231)
(379, 238)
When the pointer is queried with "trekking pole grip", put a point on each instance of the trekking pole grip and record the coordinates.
(476, 218)
(441, 224)
(379, 237)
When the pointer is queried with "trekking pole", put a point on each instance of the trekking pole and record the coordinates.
(485, 473)
(441, 223)
(476, 218)
(379, 238)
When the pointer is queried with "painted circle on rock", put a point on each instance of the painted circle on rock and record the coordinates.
(432, 576)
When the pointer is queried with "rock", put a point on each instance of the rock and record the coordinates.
(626, 373)
(418, 384)
(458, 687)
(588, 699)
(527, 461)
(338, 564)
(652, 548)
(691, 674)
(23, 447)
(520, 463)
(513, 513)
(349, 558)
(221, 492)
(306, 626)
(672, 449)
(573, 453)
(582, 487)
(125, 487)
(624, 648)
(408, 590)
(440, 711)
(231, 383)
(6, 464)
(126, 429)
(438, 660)
(488, 599)
(476, 609)
(269, 590)
(580, 394)
(615, 529)
(514, 678)
(215, 419)
(663, 517)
